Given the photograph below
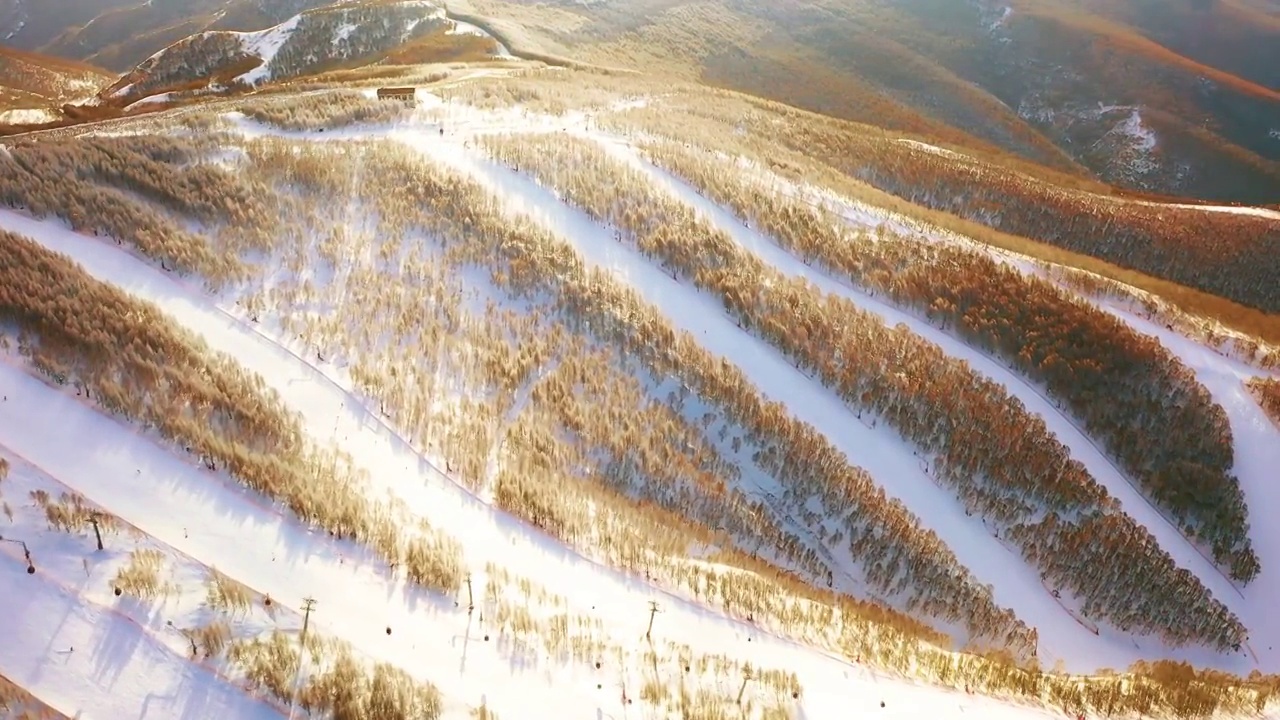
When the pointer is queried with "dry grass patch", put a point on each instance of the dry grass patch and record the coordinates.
(142, 578)
(208, 641)
(71, 513)
(1267, 391)
(336, 685)
(327, 110)
(18, 704)
(227, 593)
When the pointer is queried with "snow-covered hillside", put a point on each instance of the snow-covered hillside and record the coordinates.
(557, 630)
(305, 42)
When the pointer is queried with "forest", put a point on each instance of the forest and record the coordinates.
(583, 335)
(1048, 503)
(1141, 401)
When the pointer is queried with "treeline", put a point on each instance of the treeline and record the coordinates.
(901, 558)
(626, 488)
(130, 359)
(716, 121)
(1167, 242)
(143, 191)
(327, 110)
(1146, 406)
(1267, 391)
(1062, 520)
(538, 265)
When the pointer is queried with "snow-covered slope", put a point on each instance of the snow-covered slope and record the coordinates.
(197, 519)
(305, 42)
(215, 525)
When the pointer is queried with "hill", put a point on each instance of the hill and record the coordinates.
(33, 86)
(1177, 98)
(345, 35)
(487, 374)
(118, 34)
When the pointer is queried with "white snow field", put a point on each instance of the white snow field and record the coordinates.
(214, 522)
(74, 645)
(217, 523)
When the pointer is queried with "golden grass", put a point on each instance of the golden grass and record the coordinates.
(1267, 391)
(911, 385)
(71, 513)
(134, 361)
(336, 685)
(210, 640)
(18, 704)
(142, 578)
(1115, 380)
(227, 593)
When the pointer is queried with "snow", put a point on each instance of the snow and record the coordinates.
(150, 99)
(432, 639)
(265, 44)
(1234, 209)
(1004, 16)
(32, 116)
(465, 28)
(99, 657)
(934, 149)
(344, 31)
(1015, 586)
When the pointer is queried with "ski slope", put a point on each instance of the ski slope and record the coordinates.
(358, 598)
(212, 521)
(67, 639)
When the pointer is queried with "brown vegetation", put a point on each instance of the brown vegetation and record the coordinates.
(1267, 391)
(968, 426)
(227, 593)
(634, 508)
(534, 265)
(330, 110)
(18, 704)
(131, 360)
(338, 686)
(141, 578)
(1158, 240)
(970, 197)
(72, 513)
(1146, 406)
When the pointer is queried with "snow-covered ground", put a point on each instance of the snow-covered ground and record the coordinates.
(934, 149)
(73, 644)
(265, 44)
(218, 524)
(27, 116)
(465, 28)
(214, 522)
